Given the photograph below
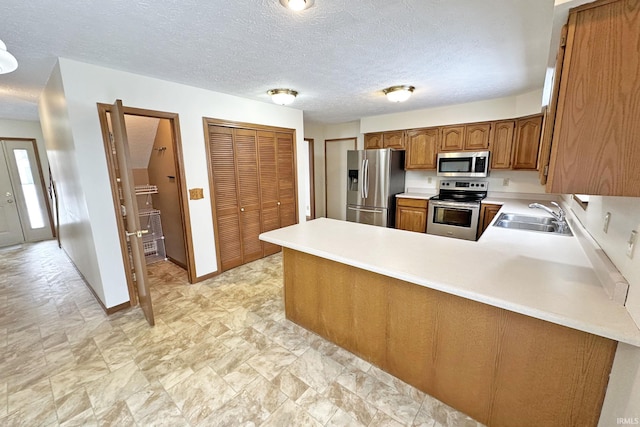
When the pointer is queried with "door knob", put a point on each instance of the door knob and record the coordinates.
(278, 203)
(10, 201)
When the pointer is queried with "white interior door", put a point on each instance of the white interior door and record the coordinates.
(10, 227)
(336, 176)
(21, 158)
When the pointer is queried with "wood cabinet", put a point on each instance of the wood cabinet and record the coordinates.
(411, 214)
(476, 136)
(488, 211)
(422, 148)
(595, 146)
(253, 184)
(501, 144)
(526, 143)
(392, 139)
(372, 140)
(452, 138)
(495, 365)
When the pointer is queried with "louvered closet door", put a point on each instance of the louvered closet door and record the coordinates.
(249, 193)
(268, 186)
(286, 179)
(226, 196)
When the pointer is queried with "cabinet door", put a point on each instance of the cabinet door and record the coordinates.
(286, 180)
(452, 138)
(268, 186)
(422, 148)
(411, 214)
(245, 142)
(373, 140)
(488, 211)
(501, 144)
(393, 139)
(527, 143)
(225, 196)
(595, 147)
(476, 136)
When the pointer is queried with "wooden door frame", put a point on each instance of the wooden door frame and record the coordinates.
(355, 147)
(44, 192)
(103, 110)
(312, 179)
(206, 121)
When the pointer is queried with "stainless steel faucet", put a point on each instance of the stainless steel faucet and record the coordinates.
(558, 216)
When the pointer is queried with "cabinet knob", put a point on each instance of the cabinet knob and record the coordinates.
(278, 203)
(241, 209)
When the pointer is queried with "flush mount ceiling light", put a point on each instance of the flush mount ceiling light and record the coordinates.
(297, 5)
(282, 96)
(398, 93)
(8, 62)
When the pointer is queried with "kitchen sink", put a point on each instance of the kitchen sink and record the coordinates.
(531, 223)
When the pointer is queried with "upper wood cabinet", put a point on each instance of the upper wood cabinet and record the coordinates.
(476, 136)
(501, 144)
(596, 136)
(452, 138)
(527, 143)
(422, 148)
(394, 139)
(372, 140)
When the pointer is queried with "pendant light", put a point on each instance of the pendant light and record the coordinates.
(8, 62)
(282, 96)
(399, 93)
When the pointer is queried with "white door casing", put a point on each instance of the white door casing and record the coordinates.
(336, 176)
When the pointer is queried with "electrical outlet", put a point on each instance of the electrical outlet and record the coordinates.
(505, 182)
(429, 179)
(631, 243)
(605, 226)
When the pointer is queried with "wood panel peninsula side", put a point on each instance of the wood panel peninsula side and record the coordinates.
(500, 366)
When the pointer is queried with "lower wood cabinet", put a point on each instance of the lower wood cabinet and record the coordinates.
(411, 214)
(497, 366)
(488, 211)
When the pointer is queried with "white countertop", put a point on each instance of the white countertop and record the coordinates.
(541, 275)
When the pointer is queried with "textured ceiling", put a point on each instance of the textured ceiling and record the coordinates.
(338, 55)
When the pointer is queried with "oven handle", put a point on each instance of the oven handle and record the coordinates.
(445, 204)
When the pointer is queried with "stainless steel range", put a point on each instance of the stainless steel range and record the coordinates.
(455, 211)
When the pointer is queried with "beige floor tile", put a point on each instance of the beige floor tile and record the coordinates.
(72, 405)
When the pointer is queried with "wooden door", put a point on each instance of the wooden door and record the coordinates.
(527, 143)
(422, 148)
(476, 137)
(267, 159)
(394, 139)
(452, 138)
(501, 144)
(246, 152)
(10, 228)
(225, 194)
(132, 221)
(372, 140)
(286, 180)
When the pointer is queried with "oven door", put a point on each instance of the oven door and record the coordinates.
(453, 219)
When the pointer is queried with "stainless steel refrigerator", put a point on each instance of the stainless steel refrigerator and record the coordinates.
(374, 178)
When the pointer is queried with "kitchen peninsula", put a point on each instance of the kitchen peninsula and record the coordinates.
(514, 329)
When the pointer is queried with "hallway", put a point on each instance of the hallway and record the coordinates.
(221, 353)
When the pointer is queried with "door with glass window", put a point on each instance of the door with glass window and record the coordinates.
(24, 212)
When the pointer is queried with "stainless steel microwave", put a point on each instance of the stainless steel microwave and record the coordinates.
(470, 164)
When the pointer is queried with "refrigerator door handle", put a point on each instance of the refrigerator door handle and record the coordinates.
(365, 184)
(364, 210)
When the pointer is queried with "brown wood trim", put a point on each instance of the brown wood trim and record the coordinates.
(312, 178)
(207, 276)
(243, 125)
(591, 5)
(174, 118)
(116, 308)
(212, 193)
(178, 263)
(295, 175)
(355, 147)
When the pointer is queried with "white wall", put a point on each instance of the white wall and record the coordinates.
(27, 129)
(85, 85)
(623, 395)
(493, 109)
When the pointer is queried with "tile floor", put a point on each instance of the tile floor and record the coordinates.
(221, 353)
